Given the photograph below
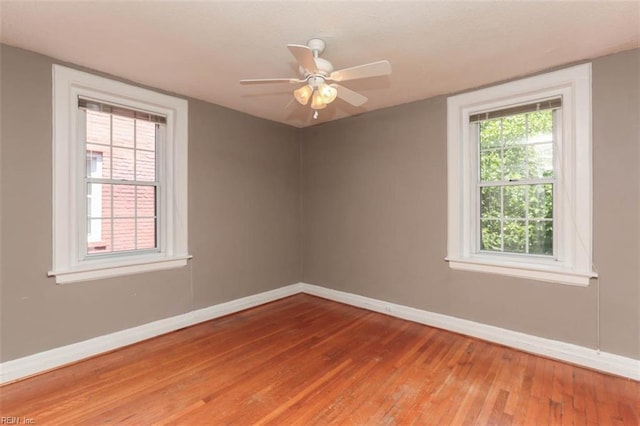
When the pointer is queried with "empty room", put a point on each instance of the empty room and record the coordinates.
(319, 212)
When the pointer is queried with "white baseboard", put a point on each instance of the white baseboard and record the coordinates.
(47, 360)
(591, 358)
(574, 354)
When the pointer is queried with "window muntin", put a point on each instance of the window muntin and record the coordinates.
(128, 186)
(516, 181)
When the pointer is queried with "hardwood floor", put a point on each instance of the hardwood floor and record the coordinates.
(304, 360)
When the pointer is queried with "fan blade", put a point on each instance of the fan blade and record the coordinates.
(374, 69)
(271, 80)
(348, 95)
(304, 56)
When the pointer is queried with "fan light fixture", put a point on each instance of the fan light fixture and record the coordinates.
(321, 95)
(303, 94)
(315, 72)
(328, 93)
(317, 102)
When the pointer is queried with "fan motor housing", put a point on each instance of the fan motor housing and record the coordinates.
(324, 68)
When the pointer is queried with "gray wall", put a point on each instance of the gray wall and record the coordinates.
(373, 220)
(374, 193)
(616, 198)
(244, 235)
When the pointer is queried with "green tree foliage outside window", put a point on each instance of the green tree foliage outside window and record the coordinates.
(516, 183)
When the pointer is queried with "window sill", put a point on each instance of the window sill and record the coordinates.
(530, 271)
(99, 269)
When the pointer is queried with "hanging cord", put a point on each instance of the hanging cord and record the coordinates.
(569, 204)
(597, 311)
(190, 266)
(181, 222)
(583, 246)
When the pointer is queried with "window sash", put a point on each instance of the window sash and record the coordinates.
(526, 219)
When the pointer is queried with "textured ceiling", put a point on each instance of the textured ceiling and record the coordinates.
(201, 49)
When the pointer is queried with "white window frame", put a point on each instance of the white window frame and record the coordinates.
(572, 197)
(69, 204)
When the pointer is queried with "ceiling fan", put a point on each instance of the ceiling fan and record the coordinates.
(320, 80)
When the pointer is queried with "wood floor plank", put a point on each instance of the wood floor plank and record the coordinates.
(304, 360)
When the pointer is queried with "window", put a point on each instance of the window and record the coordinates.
(519, 178)
(120, 178)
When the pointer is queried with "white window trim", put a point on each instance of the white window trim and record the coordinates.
(69, 264)
(574, 262)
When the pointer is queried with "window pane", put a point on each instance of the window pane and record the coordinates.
(490, 166)
(98, 161)
(145, 166)
(145, 135)
(94, 164)
(124, 204)
(514, 236)
(122, 131)
(514, 129)
(106, 200)
(541, 237)
(540, 126)
(98, 127)
(514, 163)
(101, 229)
(97, 208)
(122, 161)
(146, 234)
(490, 202)
(124, 234)
(541, 201)
(515, 203)
(98, 200)
(490, 134)
(146, 201)
(491, 237)
(99, 218)
(540, 159)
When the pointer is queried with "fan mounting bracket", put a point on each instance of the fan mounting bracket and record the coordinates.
(317, 46)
